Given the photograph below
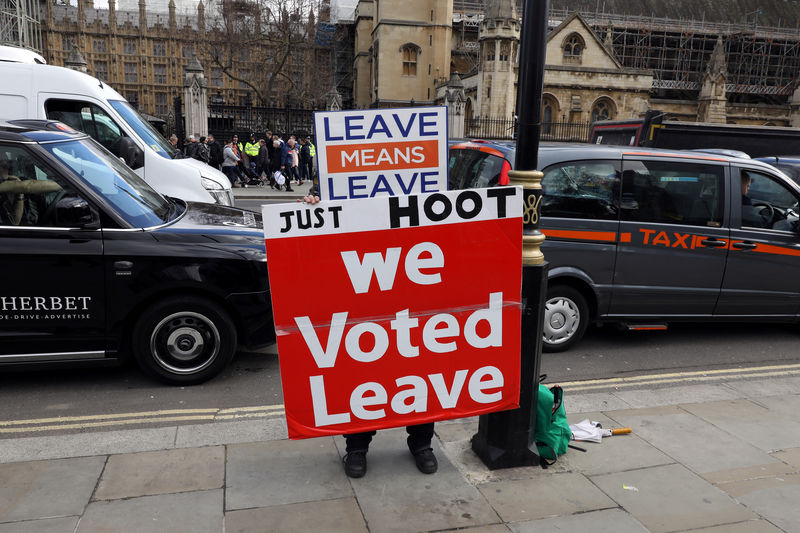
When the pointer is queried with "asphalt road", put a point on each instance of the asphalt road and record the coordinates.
(47, 402)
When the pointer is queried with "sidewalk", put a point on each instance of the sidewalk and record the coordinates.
(265, 192)
(722, 457)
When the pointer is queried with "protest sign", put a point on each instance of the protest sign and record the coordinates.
(413, 315)
(377, 152)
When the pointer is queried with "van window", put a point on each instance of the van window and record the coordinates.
(582, 189)
(766, 203)
(88, 118)
(670, 192)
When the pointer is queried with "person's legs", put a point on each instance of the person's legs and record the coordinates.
(355, 460)
(419, 444)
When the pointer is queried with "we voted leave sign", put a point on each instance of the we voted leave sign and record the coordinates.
(379, 152)
(413, 315)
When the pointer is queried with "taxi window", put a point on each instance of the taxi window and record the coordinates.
(766, 203)
(29, 191)
(88, 118)
(672, 192)
(581, 189)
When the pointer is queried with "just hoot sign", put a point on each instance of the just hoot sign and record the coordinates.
(414, 314)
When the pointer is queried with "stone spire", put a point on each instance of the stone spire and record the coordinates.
(76, 61)
(142, 17)
(172, 23)
(112, 15)
(712, 102)
(717, 64)
(201, 17)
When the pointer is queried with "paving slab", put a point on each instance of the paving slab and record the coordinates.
(761, 388)
(543, 497)
(739, 489)
(47, 489)
(671, 498)
(162, 472)
(790, 456)
(678, 395)
(593, 401)
(692, 441)
(86, 444)
(187, 512)
(778, 504)
(231, 432)
(751, 526)
(265, 474)
(395, 497)
(748, 473)
(331, 516)
(769, 423)
(46, 525)
(606, 521)
(498, 528)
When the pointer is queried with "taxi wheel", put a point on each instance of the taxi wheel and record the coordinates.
(184, 341)
(566, 316)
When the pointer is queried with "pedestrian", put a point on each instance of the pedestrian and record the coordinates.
(262, 161)
(287, 160)
(191, 147)
(305, 157)
(230, 161)
(214, 152)
(312, 153)
(357, 444)
(202, 153)
(296, 163)
(274, 154)
(173, 140)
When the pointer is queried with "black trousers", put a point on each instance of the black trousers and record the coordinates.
(419, 438)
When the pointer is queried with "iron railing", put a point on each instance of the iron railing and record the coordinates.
(498, 128)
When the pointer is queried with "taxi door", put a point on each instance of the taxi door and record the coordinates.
(764, 252)
(52, 288)
(673, 237)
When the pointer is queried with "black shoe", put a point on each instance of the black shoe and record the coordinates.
(355, 464)
(426, 461)
(288, 189)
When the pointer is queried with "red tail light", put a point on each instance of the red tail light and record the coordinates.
(504, 180)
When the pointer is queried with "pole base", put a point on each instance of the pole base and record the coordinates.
(496, 457)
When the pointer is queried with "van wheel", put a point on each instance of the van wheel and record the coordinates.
(566, 316)
(184, 341)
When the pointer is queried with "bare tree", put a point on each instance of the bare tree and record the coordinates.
(269, 46)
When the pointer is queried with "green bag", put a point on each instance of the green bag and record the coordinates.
(552, 433)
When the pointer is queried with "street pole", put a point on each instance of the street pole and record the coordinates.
(506, 439)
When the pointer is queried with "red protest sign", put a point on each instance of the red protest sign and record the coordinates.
(414, 315)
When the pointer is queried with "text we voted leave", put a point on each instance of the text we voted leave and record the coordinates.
(401, 330)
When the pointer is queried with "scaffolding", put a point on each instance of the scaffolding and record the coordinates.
(20, 24)
(763, 62)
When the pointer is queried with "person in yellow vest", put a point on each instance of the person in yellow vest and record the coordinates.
(312, 153)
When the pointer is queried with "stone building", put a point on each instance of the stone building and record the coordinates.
(143, 53)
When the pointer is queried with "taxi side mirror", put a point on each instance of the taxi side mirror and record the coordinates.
(130, 153)
(75, 212)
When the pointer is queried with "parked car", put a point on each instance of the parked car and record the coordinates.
(97, 266)
(788, 164)
(646, 236)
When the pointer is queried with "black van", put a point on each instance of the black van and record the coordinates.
(96, 265)
(645, 236)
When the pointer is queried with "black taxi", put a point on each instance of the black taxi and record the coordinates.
(97, 266)
(645, 237)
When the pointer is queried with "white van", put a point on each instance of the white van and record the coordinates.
(92, 106)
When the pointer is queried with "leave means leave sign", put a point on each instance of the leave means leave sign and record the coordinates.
(413, 315)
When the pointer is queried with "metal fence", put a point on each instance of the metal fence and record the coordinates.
(226, 120)
(495, 128)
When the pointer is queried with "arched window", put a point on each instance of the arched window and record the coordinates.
(549, 113)
(409, 54)
(603, 109)
(573, 46)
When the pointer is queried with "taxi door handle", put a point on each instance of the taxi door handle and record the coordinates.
(713, 243)
(744, 245)
(123, 265)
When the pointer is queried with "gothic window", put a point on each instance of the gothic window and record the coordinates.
(244, 74)
(549, 113)
(131, 73)
(129, 47)
(66, 42)
(409, 52)
(505, 50)
(603, 109)
(490, 51)
(162, 107)
(101, 70)
(216, 77)
(99, 46)
(188, 50)
(573, 47)
(160, 74)
(159, 49)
